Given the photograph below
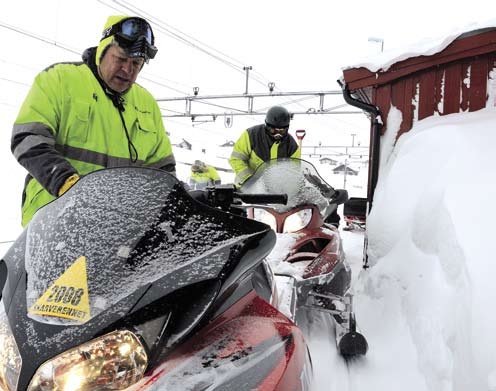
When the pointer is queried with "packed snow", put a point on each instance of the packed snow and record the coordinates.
(425, 302)
(428, 46)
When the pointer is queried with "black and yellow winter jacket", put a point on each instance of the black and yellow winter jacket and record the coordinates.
(70, 123)
(254, 147)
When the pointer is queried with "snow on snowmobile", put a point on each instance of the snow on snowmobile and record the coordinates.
(309, 259)
(127, 282)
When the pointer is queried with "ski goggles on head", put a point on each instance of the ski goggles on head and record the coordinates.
(131, 29)
(135, 36)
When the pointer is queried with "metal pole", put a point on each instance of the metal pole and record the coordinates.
(345, 171)
(247, 69)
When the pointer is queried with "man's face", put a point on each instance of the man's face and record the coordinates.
(118, 70)
(278, 133)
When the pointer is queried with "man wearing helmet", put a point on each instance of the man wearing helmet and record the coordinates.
(84, 116)
(263, 142)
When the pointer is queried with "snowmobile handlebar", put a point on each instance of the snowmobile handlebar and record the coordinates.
(263, 198)
(227, 197)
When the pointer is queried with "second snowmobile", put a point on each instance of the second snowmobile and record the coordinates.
(309, 258)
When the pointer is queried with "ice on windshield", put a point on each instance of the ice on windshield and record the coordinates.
(296, 178)
(132, 227)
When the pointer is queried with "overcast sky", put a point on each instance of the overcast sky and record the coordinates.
(300, 46)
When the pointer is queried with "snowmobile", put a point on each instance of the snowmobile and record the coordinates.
(355, 214)
(127, 282)
(309, 260)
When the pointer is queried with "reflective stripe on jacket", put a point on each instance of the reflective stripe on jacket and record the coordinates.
(67, 124)
(254, 147)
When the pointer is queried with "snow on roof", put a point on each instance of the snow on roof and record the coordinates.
(425, 47)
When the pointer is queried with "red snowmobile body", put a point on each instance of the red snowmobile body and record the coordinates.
(311, 257)
(127, 282)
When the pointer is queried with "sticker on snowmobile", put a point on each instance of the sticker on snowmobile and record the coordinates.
(68, 296)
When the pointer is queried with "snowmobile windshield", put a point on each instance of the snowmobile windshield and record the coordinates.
(117, 231)
(297, 178)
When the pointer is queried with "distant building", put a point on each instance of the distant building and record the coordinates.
(228, 144)
(184, 144)
(326, 160)
(342, 168)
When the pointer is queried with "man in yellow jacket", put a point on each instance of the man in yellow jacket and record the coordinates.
(203, 175)
(84, 116)
(263, 142)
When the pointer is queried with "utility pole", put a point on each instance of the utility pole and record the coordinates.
(247, 69)
(378, 40)
(353, 139)
(345, 172)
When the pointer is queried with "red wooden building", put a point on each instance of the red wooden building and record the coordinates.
(453, 80)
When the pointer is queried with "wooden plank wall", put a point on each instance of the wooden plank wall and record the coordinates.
(451, 88)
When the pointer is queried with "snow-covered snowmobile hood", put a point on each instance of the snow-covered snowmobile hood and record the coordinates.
(117, 241)
(297, 178)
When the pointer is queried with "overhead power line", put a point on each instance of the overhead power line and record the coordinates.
(14, 81)
(40, 38)
(186, 39)
(69, 49)
(304, 95)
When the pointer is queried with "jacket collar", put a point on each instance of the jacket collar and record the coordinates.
(89, 59)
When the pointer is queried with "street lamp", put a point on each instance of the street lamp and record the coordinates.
(378, 40)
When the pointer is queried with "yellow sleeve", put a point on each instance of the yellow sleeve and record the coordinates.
(213, 174)
(240, 157)
(297, 154)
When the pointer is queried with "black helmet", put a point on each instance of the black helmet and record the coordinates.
(277, 117)
(277, 122)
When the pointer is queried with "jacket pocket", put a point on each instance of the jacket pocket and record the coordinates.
(146, 123)
(78, 123)
(146, 135)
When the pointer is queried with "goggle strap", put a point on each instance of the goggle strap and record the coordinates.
(117, 28)
(109, 31)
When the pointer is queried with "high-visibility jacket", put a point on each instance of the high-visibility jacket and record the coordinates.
(69, 124)
(202, 179)
(254, 147)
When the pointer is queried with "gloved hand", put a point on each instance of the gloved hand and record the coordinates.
(69, 182)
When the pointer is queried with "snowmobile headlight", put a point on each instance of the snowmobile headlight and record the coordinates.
(265, 217)
(10, 359)
(114, 361)
(298, 220)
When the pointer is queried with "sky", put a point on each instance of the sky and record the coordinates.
(424, 304)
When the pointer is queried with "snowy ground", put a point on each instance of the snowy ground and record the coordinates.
(331, 372)
(425, 302)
